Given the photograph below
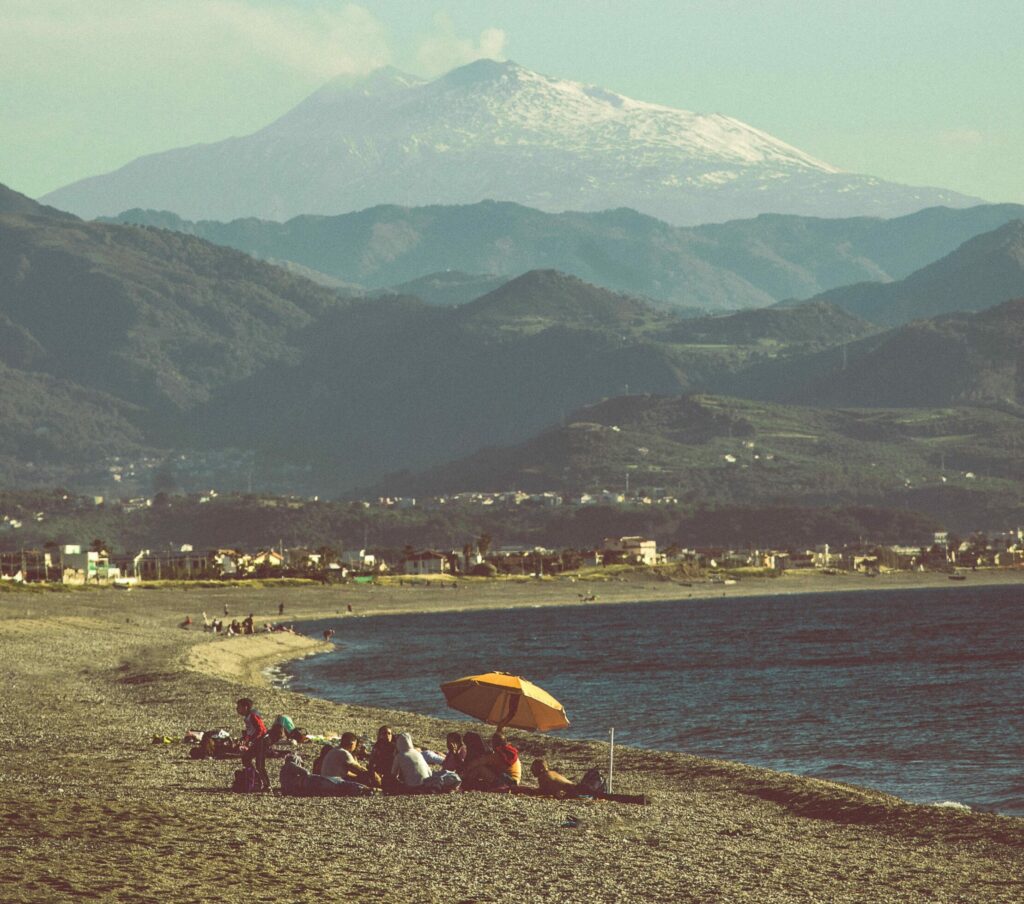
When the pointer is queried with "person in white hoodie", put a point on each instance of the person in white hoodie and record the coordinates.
(409, 766)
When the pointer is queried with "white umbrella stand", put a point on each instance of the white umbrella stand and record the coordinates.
(611, 759)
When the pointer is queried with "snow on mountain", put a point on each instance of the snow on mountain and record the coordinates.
(492, 130)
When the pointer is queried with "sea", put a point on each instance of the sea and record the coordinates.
(914, 692)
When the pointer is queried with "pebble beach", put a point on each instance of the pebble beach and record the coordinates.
(91, 808)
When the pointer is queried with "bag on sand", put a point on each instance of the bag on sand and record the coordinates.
(592, 784)
(246, 781)
(441, 783)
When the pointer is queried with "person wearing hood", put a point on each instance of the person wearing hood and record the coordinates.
(409, 766)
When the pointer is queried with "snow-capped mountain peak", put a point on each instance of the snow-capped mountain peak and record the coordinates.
(495, 130)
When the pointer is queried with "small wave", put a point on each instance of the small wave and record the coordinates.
(951, 805)
(277, 677)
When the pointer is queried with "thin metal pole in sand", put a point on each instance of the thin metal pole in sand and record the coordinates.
(611, 760)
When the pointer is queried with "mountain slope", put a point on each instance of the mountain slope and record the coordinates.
(718, 451)
(983, 271)
(948, 360)
(450, 287)
(542, 299)
(492, 130)
(152, 321)
(741, 264)
(810, 326)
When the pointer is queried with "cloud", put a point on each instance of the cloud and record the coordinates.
(443, 49)
(322, 41)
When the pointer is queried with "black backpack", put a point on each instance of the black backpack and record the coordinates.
(247, 780)
(593, 783)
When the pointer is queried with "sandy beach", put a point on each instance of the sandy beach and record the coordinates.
(91, 808)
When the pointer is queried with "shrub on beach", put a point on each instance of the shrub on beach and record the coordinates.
(483, 570)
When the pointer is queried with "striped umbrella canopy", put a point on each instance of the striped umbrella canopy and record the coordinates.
(501, 699)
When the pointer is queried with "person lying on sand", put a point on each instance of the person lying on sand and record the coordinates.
(284, 729)
(552, 783)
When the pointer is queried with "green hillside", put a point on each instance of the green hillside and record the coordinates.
(986, 270)
(728, 266)
(718, 451)
(949, 360)
(424, 384)
(157, 319)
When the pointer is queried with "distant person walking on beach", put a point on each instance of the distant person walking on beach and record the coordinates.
(280, 608)
(254, 740)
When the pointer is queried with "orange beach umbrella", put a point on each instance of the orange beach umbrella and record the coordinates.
(501, 699)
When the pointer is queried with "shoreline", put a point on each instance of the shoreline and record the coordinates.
(391, 599)
(105, 672)
(283, 676)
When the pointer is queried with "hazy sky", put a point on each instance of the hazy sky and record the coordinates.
(926, 92)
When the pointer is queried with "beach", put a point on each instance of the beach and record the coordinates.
(91, 808)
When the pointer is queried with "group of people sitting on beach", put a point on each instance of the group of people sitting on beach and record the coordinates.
(394, 764)
(235, 627)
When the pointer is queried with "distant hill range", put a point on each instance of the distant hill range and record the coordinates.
(983, 271)
(718, 452)
(492, 130)
(448, 255)
(120, 340)
(109, 335)
(953, 359)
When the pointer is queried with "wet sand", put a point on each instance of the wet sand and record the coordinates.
(90, 808)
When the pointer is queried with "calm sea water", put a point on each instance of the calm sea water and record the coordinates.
(918, 693)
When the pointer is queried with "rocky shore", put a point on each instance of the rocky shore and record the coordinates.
(91, 808)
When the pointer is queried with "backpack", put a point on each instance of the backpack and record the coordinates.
(246, 781)
(593, 783)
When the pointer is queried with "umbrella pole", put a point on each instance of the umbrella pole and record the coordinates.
(611, 760)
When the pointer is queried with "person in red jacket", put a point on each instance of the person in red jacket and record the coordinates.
(506, 759)
(254, 740)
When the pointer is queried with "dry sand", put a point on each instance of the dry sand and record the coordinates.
(89, 808)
